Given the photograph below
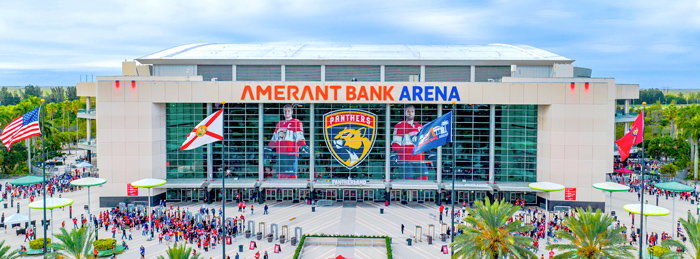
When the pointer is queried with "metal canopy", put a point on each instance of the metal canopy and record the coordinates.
(674, 187)
(649, 210)
(51, 203)
(148, 183)
(183, 183)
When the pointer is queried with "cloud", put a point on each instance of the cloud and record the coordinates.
(77, 35)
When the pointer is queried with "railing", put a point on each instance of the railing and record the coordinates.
(92, 142)
(86, 111)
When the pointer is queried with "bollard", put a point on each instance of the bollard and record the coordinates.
(240, 248)
(381, 210)
(313, 209)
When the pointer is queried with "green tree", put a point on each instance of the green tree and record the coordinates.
(180, 252)
(591, 238)
(72, 93)
(692, 229)
(75, 244)
(31, 90)
(488, 236)
(56, 95)
(7, 97)
(5, 252)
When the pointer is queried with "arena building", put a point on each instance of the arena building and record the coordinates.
(338, 122)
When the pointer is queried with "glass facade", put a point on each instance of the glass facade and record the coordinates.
(293, 133)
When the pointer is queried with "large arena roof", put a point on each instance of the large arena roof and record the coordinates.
(285, 51)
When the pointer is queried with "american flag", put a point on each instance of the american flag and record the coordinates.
(25, 126)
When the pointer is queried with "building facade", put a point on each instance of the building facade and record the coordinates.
(339, 122)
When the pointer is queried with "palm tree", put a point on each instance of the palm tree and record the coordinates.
(692, 230)
(75, 244)
(590, 237)
(487, 235)
(180, 252)
(5, 252)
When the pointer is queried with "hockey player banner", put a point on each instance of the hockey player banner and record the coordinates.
(434, 134)
(350, 135)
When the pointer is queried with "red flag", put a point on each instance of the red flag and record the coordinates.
(633, 137)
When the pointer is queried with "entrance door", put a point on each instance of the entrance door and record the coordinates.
(411, 195)
(330, 195)
(368, 195)
(271, 194)
(186, 195)
(248, 194)
(429, 195)
(201, 195)
(350, 194)
(421, 196)
(287, 194)
(395, 195)
(303, 194)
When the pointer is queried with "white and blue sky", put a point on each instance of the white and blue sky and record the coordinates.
(651, 43)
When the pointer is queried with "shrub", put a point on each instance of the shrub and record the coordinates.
(39, 243)
(104, 244)
(658, 251)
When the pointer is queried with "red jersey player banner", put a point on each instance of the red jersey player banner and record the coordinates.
(405, 137)
(350, 135)
(633, 137)
(287, 144)
(209, 130)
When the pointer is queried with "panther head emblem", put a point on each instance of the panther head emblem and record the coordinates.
(350, 135)
(350, 140)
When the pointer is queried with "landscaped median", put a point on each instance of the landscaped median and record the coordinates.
(343, 240)
(106, 246)
(36, 246)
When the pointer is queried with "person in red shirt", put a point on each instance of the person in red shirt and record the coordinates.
(288, 141)
(404, 138)
(257, 255)
(551, 253)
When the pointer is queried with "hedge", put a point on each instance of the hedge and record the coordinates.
(38, 243)
(104, 244)
(657, 251)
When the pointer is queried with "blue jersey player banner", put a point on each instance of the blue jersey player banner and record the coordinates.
(434, 134)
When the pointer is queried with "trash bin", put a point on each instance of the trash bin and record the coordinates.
(409, 241)
(282, 239)
(430, 239)
(5, 205)
(293, 240)
(313, 209)
(443, 237)
(269, 238)
(240, 248)
(381, 210)
(247, 234)
(259, 235)
(612, 213)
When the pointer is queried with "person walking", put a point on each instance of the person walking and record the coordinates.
(265, 212)
(251, 209)
(143, 252)
(402, 227)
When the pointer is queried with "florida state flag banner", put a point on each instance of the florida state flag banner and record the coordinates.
(633, 137)
(209, 130)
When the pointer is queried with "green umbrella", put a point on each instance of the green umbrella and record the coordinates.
(27, 180)
(546, 187)
(674, 187)
(51, 203)
(88, 182)
(611, 187)
(149, 183)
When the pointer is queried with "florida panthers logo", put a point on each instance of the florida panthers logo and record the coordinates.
(350, 135)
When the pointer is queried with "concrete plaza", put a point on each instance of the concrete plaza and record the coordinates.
(340, 218)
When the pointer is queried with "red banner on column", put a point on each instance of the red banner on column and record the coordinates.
(131, 190)
(570, 194)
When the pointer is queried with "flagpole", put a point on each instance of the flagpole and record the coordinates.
(223, 186)
(454, 169)
(641, 212)
(43, 170)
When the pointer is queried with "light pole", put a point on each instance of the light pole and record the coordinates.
(641, 214)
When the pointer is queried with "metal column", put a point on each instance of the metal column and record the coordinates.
(492, 141)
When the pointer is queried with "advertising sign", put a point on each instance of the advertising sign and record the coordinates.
(570, 194)
(131, 190)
